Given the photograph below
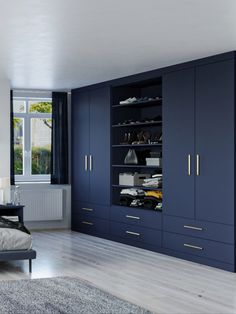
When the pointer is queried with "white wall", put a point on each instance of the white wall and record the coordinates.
(65, 223)
(5, 158)
(4, 128)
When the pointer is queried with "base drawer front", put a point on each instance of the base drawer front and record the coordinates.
(199, 229)
(200, 247)
(91, 225)
(136, 233)
(92, 210)
(137, 217)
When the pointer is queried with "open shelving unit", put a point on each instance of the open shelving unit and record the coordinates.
(146, 117)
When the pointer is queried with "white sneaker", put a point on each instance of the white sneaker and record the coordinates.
(128, 101)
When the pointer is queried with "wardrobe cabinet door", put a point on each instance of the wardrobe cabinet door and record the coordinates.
(100, 146)
(215, 142)
(178, 143)
(80, 146)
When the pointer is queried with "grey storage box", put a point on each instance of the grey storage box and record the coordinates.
(153, 162)
(132, 179)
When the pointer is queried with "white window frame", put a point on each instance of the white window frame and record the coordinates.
(27, 161)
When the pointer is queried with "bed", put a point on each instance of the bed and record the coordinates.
(15, 240)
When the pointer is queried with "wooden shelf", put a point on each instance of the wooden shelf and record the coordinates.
(137, 145)
(145, 103)
(136, 166)
(137, 124)
(141, 208)
(136, 187)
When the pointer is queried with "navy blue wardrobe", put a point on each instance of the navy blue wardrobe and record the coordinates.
(198, 161)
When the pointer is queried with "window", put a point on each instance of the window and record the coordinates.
(32, 138)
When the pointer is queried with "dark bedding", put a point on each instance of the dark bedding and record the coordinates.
(6, 223)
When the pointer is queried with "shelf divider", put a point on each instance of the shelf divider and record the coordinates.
(136, 145)
(137, 124)
(136, 166)
(136, 187)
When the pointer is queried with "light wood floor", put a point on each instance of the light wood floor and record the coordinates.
(157, 282)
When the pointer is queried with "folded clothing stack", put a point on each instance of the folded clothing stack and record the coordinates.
(153, 200)
(139, 198)
(155, 181)
(131, 196)
(132, 192)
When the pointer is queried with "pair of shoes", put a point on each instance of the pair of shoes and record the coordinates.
(131, 121)
(142, 137)
(128, 101)
(132, 100)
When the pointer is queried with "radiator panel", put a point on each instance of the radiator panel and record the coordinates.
(42, 205)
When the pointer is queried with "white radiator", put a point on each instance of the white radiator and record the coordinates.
(42, 205)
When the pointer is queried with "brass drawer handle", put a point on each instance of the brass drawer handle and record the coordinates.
(193, 246)
(133, 233)
(87, 209)
(87, 223)
(193, 228)
(132, 217)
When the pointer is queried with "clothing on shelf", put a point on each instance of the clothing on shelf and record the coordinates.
(155, 194)
(137, 203)
(132, 192)
(152, 203)
(126, 200)
(139, 198)
(155, 181)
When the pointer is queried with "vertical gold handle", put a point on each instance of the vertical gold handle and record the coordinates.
(86, 163)
(189, 165)
(198, 165)
(90, 162)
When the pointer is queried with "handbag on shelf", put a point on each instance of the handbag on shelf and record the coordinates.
(131, 158)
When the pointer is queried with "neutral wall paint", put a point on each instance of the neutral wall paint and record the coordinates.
(4, 128)
(65, 223)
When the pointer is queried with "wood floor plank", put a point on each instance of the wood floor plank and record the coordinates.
(160, 283)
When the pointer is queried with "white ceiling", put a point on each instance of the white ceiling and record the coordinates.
(58, 44)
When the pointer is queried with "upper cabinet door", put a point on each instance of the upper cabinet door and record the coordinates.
(215, 142)
(178, 143)
(80, 146)
(100, 146)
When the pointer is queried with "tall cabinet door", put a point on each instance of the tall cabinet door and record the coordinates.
(80, 146)
(100, 146)
(215, 142)
(178, 143)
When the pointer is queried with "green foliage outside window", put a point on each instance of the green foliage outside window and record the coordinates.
(41, 160)
(42, 107)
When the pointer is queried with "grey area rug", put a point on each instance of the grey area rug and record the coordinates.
(60, 295)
